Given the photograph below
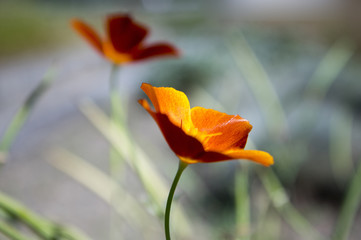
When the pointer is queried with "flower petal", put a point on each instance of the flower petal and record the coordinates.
(170, 102)
(224, 131)
(88, 33)
(124, 33)
(155, 50)
(190, 150)
(260, 157)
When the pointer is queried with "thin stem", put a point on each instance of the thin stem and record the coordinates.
(181, 167)
(117, 119)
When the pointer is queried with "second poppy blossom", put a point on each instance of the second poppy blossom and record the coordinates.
(124, 41)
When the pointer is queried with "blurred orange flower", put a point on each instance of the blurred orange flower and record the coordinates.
(125, 40)
(199, 134)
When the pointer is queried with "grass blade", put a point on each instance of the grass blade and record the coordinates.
(340, 145)
(243, 207)
(40, 226)
(281, 202)
(329, 68)
(349, 208)
(11, 232)
(260, 84)
(22, 114)
(103, 186)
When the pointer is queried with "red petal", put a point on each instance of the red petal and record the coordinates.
(156, 50)
(124, 33)
(88, 33)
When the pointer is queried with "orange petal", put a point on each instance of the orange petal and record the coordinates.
(170, 102)
(183, 145)
(155, 50)
(124, 33)
(88, 33)
(260, 157)
(225, 131)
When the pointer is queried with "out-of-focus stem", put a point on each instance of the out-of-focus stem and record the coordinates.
(117, 112)
(117, 117)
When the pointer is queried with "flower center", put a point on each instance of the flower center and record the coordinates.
(115, 56)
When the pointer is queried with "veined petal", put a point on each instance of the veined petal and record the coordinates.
(88, 33)
(154, 50)
(172, 103)
(124, 34)
(224, 131)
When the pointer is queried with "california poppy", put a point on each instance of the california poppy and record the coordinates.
(200, 135)
(124, 42)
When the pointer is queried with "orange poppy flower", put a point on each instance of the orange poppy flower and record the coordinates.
(125, 40)
(199, 134)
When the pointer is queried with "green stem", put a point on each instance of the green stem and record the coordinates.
(181, 167)
(116, 119)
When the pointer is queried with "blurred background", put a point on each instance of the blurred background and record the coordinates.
(292, 68)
